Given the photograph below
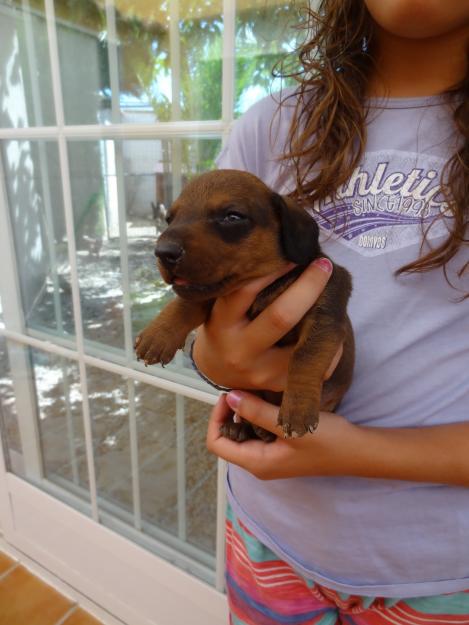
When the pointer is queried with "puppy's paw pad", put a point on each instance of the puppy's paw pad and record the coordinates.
(296, 422)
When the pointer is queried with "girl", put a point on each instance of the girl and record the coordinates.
(365, 521)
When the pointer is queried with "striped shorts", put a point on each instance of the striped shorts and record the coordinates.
(263, 590)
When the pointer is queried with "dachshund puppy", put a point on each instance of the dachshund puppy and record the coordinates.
(228, 228)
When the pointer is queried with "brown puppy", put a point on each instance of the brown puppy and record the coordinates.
(226, 229)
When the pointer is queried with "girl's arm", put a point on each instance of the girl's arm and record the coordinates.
(438, 454)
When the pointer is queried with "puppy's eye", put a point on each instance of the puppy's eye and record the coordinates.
(234, 217)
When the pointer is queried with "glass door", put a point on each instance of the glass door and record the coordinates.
(106, 110)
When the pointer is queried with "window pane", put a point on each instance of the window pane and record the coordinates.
(109, 410)
(157, 456)
(201, 476)
(60, 420)
(264, 34)
(25, 78)
(9, 428)
(177, 474)
(130, 183)
(36, 212)
(97, 241)
(200, 34)
(41, 420)
(85, 84)
(158, 71)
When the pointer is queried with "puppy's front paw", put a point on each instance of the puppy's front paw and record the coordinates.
(297, 416)
(156, 345)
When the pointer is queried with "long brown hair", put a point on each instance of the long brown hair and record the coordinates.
(327, 137)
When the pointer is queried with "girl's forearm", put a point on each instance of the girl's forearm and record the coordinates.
(437, 454)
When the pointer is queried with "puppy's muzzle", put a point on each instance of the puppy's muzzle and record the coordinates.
(169, 253)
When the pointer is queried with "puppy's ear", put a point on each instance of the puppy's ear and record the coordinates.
(299, 233)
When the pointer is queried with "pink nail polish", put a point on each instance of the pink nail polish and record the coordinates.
(233, 399)
(324, 264)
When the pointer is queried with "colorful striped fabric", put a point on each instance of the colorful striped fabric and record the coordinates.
(263, 590)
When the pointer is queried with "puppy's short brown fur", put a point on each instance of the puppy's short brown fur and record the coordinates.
(227, 228)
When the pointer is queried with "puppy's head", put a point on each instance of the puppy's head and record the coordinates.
(228, 228)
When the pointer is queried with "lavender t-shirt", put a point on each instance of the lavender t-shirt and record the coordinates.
(372, 536)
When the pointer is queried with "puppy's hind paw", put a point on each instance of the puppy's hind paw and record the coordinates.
(238, 432)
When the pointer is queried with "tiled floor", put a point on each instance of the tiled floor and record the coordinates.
(26, 600)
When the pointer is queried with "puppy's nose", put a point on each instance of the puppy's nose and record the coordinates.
(169, 252)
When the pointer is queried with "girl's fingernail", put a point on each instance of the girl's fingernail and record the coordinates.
(233, 399)
(324, 264)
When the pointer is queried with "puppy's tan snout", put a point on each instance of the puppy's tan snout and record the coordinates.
(169, 252)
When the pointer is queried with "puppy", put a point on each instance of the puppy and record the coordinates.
(228, 228)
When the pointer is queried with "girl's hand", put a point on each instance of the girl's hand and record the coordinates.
(437, 454)
(321, 453)
(235, 352)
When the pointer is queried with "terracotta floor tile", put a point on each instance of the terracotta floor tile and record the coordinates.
(80, 617)
(26, 600)
(5, 563)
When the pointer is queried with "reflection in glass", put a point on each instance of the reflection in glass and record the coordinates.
(84, 70)
(34, 192)
(265, 34)
(162, 59)
(156, 418)
(109, 411)
(97, 242)
(201, 478)
(9, 430)
(60, 420)
(169, 425)
(120, 192)
(25, 77)
(200, 36)
(176, 485)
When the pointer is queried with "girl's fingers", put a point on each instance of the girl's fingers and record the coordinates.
(255, 410)
(290, 307)
(234, 306)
